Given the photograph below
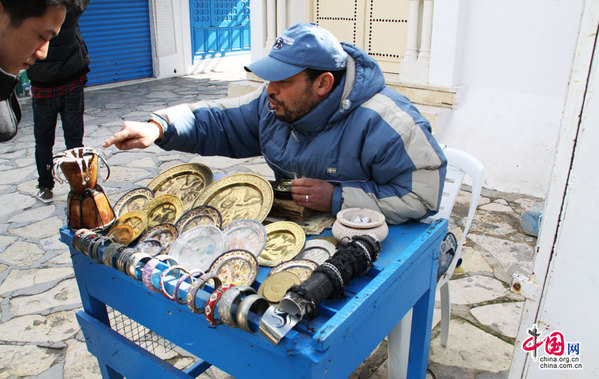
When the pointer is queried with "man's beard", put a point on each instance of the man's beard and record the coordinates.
(303, 106)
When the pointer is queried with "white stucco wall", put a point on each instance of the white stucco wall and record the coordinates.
(512, 63)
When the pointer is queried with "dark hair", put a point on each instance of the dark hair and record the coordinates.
(20, 10)
(312, 74)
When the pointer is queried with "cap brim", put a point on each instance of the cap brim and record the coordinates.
(273, 70)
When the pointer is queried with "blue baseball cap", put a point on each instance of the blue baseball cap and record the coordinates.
(299, 47)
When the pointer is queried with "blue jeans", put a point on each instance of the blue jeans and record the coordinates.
(45, 113)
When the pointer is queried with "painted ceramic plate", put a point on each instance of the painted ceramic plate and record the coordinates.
(136, 219)
(237, 267)
(133, 200)
(185, 181)
(303, 268)
(198, 247)
(317, 251)
(285, 240)
(275, 286)
(239, 196)
(164, 209)
(202, 215)
(245, 234)
(164, 233)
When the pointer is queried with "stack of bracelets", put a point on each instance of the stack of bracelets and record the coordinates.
(227, 304)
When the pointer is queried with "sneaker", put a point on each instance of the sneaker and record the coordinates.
(45, 195)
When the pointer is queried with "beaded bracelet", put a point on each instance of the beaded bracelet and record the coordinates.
(192, 276)
(163, 275)
(198, 285)
(228, 300)
(212, 301)
(252, 303)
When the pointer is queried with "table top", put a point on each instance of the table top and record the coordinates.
(347, 328)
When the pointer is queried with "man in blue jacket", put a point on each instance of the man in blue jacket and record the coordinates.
(325, 118)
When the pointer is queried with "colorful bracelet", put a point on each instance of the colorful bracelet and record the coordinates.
(252, 303)
(198, 285)
(77, 237)
(135, 260)
(148, 270)
(192, 276)
(163, 276)
(230, 299)
(212, 301)
(86, 241)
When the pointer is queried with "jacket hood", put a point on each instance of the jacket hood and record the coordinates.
(363, 79)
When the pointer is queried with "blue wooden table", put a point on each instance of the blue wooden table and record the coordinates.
(332, 345)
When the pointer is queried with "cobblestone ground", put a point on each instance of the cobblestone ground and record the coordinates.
(39, 336)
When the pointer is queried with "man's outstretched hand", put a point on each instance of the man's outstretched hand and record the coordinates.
(312, 193)
(134, 135)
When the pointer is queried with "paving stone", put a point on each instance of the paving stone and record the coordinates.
(80, 363)
(504, 318)
(18, 279)
(64, 294)
(471, 348)
(53, 328)
(53, 243)
(27, 360)
(15, 176)
(14, 202)
(144, 162)
(475, 289)
(122, 174)
(473, 261)
(62, 259)
(35, 214)
(2, 269)
(6, 241)
(22, 254)
(41, 229)
(514, 257)
(497, 206)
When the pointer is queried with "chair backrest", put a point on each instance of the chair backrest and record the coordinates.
(459, 164)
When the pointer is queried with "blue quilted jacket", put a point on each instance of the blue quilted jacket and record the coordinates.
(365, 138)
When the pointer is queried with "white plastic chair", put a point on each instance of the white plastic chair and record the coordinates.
(459, 164)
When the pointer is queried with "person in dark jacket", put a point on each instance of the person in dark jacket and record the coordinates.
(26, 28)
(325, 119)
(57, 88)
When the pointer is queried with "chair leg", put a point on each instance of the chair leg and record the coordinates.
(398, 348)
(445, 313)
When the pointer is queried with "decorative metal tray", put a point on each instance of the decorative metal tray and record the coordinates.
(285, 240)
(245, 234)
(164, 233)
(137, 220)
(198, 247)
(303, 268)
(202, 215)
(186, 181)
(133, 200)
(239, 196)
(237, 267)
(164, 209)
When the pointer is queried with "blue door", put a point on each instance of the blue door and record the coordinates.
(219, 27)
(117, 34)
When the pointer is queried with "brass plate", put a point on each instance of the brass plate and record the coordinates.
(202, 215)
(239, 196)
(238, 267)
(164, 209)
(136, 219)
(133, 200)
(245, 234)
(122, 234)
(185, 181)
(164, 233)
(275, 286)
(303, 268)
(285, 240)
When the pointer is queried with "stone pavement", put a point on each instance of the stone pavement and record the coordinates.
(39, 336)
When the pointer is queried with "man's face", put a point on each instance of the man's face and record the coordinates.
(21, 46)
(292, 98)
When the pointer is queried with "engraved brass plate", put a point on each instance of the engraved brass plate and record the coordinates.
(136, 219)
(239, 196)
(122, 234)
(133, 200)
(186, 181)
(164, 209)
(285, 240)
(275, 286)
(164, 233)
(202, 215)
(237, 267)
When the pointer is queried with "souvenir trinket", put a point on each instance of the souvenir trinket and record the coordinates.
(285, 240)
(186, 181)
